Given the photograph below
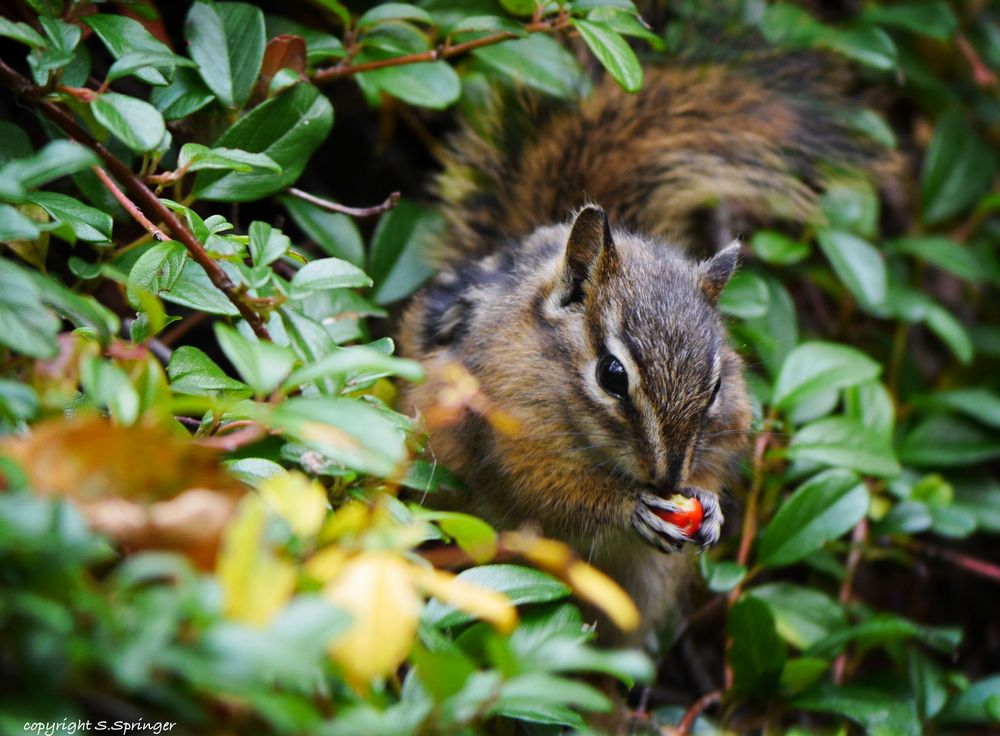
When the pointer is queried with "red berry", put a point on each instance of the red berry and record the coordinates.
(688, 519)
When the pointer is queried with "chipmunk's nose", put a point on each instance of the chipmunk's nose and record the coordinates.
(670, 477)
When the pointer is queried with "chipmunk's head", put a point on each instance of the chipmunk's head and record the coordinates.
(607, 351)
(662, 395)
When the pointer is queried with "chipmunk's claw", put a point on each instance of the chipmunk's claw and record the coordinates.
(653, 514)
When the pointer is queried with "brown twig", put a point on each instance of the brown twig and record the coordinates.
(144, 196)
(128, 204)
(687, 722)
(444, 51)
(749, 530)
(343, 209)
(985, 569)
(858, 538)
(981, 73)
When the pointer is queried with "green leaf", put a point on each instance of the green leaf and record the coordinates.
(139, 61)
(470, 533)
(351, 432)
(138, 124)
(196, 157)
(946, 441)
(16, 226)
(844, 442)
(870, 46)
(871, 405)
(721, 576)
(108, 386)
(613, 52)
(821, 509)
(852, 206)
(185, 95)
(87, 223)
(802, 616)
(253, 470)
(327, 273)
(537, 61)
(334, 233)
(973, 705)
(777, 248)
(776, 333)
(135, 49)
(858, 265)
(746, 295)
(357, 360)
(433, 84)
(393, 11)
(18, 401)
(21, 32)
(882, 629)
(757, 655)
(57, 159)
(978, 403)
(542, 698)
(951, 332)
(288, 128)
(263, 365)
(401, 246)
(880, 713)
(58, 53)
(942, 252)
(627, 23)
(487, 24)
(817, 367)
(192, 372)
(520, 584)
(267, 244)
(958, 168)
(156, 270)
(227, 40)
(26, 325)
(934, 19)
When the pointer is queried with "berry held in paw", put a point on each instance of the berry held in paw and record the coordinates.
(688, 516)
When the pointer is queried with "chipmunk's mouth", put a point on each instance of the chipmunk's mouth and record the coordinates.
(670, 521)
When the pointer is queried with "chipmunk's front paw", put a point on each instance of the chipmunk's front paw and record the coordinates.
(690, 515)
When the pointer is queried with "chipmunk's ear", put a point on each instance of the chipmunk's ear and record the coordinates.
(717, 270)
(590, 252)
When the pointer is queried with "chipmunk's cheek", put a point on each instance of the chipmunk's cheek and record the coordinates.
(690, 515)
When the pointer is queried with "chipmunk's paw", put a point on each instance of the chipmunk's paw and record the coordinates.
(689, 515)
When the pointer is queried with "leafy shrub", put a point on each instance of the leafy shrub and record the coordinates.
(162, 355)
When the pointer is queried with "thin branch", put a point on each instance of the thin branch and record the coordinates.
(326, 204)
(687, 722)
(128, 204)
(858, 538)
(985, 569)
(144, 196)
(444, 51)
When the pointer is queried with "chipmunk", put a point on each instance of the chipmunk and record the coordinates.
(565, 291)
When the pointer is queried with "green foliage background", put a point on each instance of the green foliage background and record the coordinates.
(858, 589)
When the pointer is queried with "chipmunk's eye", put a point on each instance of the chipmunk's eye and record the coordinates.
(715, 391)
(612, 376)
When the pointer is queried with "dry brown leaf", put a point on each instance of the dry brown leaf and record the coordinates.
(87, 459)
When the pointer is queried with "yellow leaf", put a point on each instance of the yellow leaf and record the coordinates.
(587, 582)
(256, 584)
(376, 588)
(480, 602)
(326, 564)
(349, 520)
(601, 591)
(296, 499)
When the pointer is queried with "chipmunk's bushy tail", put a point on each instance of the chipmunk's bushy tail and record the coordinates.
(701, 144)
